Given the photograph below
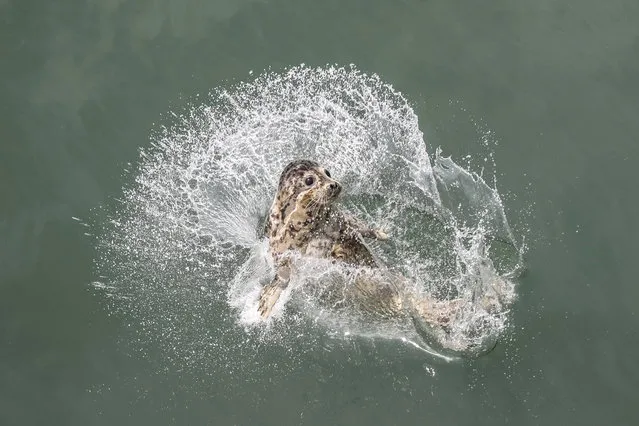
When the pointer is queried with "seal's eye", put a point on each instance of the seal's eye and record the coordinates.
(327, 173)
(309, 180)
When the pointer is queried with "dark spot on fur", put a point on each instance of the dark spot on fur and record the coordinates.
(283, 210)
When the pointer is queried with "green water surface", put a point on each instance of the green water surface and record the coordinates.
(83, 83)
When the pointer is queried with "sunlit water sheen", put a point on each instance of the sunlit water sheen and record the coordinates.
(184, 246)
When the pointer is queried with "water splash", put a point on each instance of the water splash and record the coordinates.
(183, 249)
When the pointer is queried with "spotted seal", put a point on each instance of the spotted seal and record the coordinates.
(305, 220)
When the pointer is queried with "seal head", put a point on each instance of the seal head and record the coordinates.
(305, 192)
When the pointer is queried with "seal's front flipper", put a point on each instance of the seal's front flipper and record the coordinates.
(359, 226)
(268, 297)
(271, 292)
(379, 234)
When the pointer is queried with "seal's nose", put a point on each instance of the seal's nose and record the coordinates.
(336, 188)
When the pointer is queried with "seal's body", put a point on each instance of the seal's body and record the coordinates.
(304, 218)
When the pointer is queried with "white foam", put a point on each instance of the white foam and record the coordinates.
(193, 217)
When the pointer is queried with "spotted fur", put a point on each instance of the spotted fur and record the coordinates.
(305, 218)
